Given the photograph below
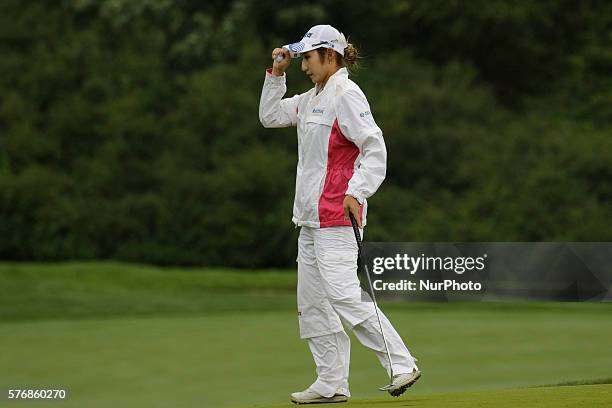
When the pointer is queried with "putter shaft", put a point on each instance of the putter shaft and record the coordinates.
(363, 262)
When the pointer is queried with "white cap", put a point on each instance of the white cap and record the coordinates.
(319, 36)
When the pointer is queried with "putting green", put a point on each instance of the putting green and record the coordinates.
(587, 396)
(232, 359)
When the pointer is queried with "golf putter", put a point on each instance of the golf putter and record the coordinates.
(361, 261)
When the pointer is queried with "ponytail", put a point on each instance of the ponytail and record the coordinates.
(350, 60)
(351, 55)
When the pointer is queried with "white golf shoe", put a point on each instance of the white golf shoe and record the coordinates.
(401, 382)
(311, 397)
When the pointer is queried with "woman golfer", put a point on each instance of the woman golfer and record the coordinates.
(341, 162)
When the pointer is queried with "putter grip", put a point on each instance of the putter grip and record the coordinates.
(356, 231)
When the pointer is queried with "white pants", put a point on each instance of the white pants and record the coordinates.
(328, 295)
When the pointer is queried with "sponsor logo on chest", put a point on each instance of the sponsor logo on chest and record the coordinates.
(318, 111)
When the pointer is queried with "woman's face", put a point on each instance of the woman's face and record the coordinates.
(317, 69)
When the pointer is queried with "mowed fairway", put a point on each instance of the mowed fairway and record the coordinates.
(470, 353)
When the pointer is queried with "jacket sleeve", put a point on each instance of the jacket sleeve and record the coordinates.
(358, 125)
(275, 112)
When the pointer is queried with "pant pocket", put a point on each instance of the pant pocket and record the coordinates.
(318, 320)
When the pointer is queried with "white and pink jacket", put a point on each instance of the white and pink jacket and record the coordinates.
(341, 150)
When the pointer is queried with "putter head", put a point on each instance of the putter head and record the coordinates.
(386, 387)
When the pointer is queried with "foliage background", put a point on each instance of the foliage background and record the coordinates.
(129, 130)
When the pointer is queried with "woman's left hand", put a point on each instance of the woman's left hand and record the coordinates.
(351, 204)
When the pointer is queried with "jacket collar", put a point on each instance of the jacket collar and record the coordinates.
(339, 75)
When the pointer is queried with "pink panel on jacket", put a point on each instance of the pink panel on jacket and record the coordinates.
(341, 156)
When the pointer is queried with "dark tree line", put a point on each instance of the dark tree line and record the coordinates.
(129, 129)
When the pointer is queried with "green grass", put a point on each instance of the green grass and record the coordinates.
(595, 381)
(134, 336)
(41, 291)
(588, 396)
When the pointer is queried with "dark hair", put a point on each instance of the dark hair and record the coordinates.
(350, 59)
